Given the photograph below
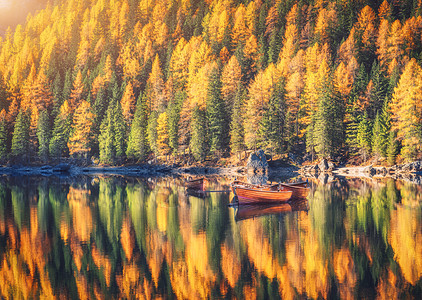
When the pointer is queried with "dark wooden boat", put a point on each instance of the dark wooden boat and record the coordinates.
(299, 189)
(255, 194)
(195, 184)
(247, 211)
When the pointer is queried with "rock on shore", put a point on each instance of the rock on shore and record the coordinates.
(257, 162)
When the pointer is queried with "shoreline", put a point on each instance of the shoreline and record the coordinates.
(147, 170)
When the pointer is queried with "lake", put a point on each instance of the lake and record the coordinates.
(117, 237)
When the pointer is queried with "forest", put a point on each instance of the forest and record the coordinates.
(121, 81)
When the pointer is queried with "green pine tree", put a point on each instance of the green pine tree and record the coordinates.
(328, 125)
(237, 134)
(393, 148)
(20, 139)
(152, 132)
(198, 142)
(380, 134)
(120, 131)
(43, 135)
(3, 136)
(137, 146)
(174, 108)
(364, 136)
(106, 138)
(61, 131)
(272, 123)
(216, 116)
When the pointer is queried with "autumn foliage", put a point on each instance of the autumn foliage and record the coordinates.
(295, 68)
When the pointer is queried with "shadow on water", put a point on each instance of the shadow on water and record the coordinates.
(117, 237)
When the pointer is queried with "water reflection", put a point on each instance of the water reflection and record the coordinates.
(135, 238)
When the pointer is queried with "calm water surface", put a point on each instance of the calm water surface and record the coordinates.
(113, 237)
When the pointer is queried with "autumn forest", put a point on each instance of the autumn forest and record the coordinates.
(126, 80)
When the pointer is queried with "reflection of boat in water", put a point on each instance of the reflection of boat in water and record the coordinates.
(268, 193)
(195, 184)
(195, 193)
(251, 211)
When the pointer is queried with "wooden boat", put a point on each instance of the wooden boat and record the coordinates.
(254, 194)
(247, 211)
(299, 189)
(196, 184)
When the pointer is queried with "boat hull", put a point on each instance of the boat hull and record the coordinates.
(299, 190)
(257, 196)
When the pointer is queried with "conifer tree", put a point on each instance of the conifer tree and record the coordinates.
(137, 146)
(237, 135)
(106, 138)
(363, 137)
(152, 132)
(20, 139)
(310, 138)
(174, 108)
(216, 115)
(380, 133)
(163, 134)
(379, 90)
(198, 141)
(80, 139)
(120, 131)
(61, 131)
(43, 134)
(3, 135)
(393, 148)
(272, 123)
(406, 107)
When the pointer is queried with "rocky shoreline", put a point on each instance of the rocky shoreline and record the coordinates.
(323, 169)
(145, 170)
(402, 171)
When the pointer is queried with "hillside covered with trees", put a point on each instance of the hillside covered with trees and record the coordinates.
(122, 80)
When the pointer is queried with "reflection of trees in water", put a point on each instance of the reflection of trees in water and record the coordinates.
(138, 238)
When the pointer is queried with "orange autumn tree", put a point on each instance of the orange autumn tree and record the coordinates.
(80, 140)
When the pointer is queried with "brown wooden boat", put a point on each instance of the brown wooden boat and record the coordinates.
(299, 189)
(254, 194)
(196, 184)
(247, 211)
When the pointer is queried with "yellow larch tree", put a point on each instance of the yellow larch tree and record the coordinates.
(77, 91)
(365, 27)
(260, 92)
(80, 139)
(406, 109)
(199, 84)
(343, 81)
(326, 20)
(314, 83)
(239, 33)
(290, 45)
(384, 10)
(128, 103)
(156, 85)
(179, 63)
(348, 48)
(163, 134)
(395, 46)
(230, 78)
